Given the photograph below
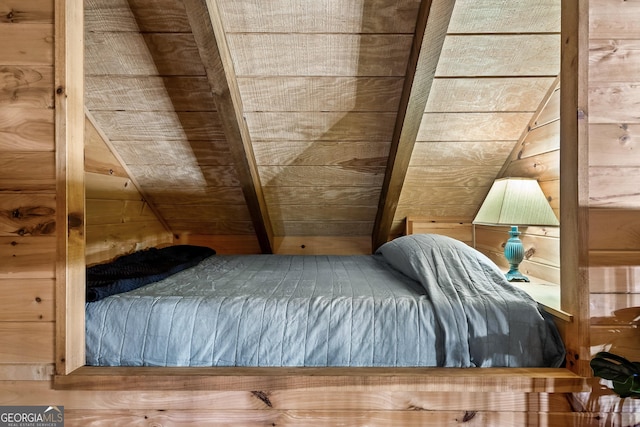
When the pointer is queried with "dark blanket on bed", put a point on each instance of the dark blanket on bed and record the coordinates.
(129, 272)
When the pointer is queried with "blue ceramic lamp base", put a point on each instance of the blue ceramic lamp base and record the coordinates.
(514, 253)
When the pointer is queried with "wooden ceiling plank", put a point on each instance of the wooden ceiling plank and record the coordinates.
(371, 55)
(324, 93)
(209, 34)
(431, 29)
(320, 16)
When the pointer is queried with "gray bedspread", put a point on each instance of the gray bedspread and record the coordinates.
(421, 300)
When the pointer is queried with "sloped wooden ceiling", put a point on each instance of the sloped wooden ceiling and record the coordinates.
(498, 61)
(277, 118)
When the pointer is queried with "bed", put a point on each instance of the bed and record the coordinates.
(420, 301)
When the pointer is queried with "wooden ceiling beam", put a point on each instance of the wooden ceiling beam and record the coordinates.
(206, 24)
(431, 29)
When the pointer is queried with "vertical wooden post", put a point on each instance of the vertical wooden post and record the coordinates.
(574, 227)
(70, 223)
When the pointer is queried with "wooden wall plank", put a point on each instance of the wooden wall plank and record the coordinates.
(223, 244)
(458, 230)
(26, 129)
(196, 196)
(614, 102)
(442, 211)
(26, 11)
(541, 139)
(323, 229)
(618, 339)
(27, 300)
(614, 60)
(614, 229)
(615, 309)
(27, 257)
(202, 213)
(22, 214)
(543, 167)
(27, 171)
(315, 418)
(26, 87)
(614, 279)
(613, 144)
(27, 43)
(203, 227)
(614, 187)
(101, 211)
(414, 195)
(99, 186)
(106, 241)
(551, 109)
(22, 372)
(609, 22)
(325, 245)
(26, 342)
(347, 399)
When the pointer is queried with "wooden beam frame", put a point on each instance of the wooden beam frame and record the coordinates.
(574, 182)
(70, 349)
(70, 218)
(206, 24)
(431, 29)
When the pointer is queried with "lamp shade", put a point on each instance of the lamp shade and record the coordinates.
(516, 201)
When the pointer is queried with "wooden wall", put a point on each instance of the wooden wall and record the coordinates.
(119, 221)
(614, 173)
(537, 155)
(27, 191)
(28, 254)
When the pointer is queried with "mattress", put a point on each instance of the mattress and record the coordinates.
(422, 300)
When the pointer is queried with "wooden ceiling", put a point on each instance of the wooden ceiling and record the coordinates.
(324, 118)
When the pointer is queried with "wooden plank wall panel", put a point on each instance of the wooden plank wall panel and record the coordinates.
(614, 162)
(490, 80)
(27, 190)
(147, 89)
(321, 85)
(536, 155)
(456, 229)
(118, 220)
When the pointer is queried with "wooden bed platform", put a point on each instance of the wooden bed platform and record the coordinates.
(527, 380)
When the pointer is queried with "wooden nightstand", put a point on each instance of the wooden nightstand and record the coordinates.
(545, 293)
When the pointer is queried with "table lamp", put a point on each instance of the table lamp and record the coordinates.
(515, 202)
